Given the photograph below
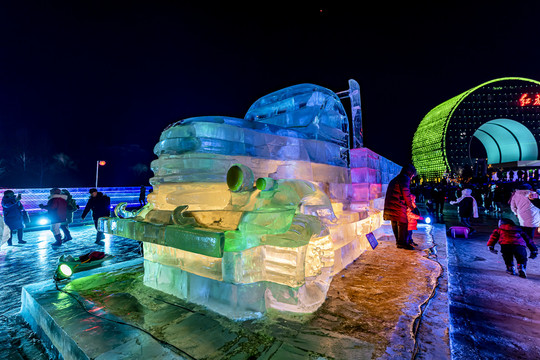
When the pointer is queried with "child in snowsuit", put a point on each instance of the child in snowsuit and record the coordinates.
(412, 220)
(513, 241)
(467, 208)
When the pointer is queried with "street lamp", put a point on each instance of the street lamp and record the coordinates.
(98, 164)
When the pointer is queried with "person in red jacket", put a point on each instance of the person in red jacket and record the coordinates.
(412, 219)
(396, 202)
(56, 211)
(513, 241)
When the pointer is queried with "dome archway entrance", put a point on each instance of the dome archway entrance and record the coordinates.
(506, 141)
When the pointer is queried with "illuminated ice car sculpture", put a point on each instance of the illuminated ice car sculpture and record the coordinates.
(250, 214)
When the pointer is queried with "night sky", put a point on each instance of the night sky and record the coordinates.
(82, 81)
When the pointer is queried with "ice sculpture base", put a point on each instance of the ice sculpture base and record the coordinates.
(185, 331)
(235, 301)
(375, 299)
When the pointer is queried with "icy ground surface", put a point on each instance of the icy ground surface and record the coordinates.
(367, 315)
(493, 315)
(34, 262)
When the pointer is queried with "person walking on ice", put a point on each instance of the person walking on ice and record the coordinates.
(514, 242)
(100, 205)
(56, 211)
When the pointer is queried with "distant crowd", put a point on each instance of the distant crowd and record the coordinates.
(60, 207)
(514, 191)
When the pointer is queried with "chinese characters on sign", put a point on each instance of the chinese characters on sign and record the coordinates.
(526, 100)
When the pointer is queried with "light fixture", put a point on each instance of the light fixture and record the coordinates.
(64, 271)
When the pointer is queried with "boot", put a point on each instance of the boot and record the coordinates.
(404, 246)
(19, 236)
(511, 270)
(99, 236)
(67, 235)
(521, 270)
(58, 240)
(9, 242)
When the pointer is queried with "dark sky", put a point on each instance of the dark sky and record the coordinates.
(101, 80)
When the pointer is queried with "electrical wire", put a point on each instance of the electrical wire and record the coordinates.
(422, 307)
(179, 306)
(166, 344)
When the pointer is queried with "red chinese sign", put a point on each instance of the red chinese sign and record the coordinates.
(527, 100)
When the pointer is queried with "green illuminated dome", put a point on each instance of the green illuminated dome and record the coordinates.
(502, 114)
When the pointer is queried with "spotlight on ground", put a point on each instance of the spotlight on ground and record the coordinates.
(64, 271)
(43, 221)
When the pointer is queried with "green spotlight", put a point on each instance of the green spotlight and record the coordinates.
(64, 271)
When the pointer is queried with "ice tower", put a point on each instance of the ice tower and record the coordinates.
(258, 213)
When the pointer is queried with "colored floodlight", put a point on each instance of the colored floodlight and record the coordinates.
(64, 271)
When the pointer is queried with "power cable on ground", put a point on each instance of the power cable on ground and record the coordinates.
(432, 255)
(166, 344)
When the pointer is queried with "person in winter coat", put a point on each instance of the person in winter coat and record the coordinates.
(467, 207)
(527, 214)
(13, 215)
(100, 205)
(430, 207)
(398, 198)
(439, 198)
(142, 195)
(513, 241)
(412, 220)
(497, 198)
(71, 208)
(56, 212)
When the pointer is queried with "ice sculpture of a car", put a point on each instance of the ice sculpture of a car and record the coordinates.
(252, 214)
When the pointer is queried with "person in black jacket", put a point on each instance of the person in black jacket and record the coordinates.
(398, 199)
(13, 215)
(71, 208)
(142, 195)
(100, 205)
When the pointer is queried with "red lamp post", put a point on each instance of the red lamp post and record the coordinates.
(98, 164)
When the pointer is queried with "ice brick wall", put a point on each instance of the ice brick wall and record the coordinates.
(370, 175)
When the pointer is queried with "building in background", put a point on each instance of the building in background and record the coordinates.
(497, 120)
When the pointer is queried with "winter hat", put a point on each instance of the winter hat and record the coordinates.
(506, 221)
(9, 193)
(409, 170)
(55, 191)
(93, 190)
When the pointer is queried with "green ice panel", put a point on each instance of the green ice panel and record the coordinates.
(200, 241)
(196, 240)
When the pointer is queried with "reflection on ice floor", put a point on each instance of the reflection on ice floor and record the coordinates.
(36, 261)
(358, 290)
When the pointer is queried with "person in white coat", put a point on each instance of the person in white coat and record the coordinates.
(527, 214)
(467, 208)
